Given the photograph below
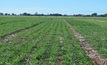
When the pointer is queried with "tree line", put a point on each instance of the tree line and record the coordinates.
(28, 14)
(55, 14)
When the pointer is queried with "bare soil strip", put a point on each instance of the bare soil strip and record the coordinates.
(97, 20)
(93, 54)
(60, 58)
(6, 37)
(100, 21)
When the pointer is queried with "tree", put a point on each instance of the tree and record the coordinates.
(7, 14)
(1, 14)
(105, 15)
(36, 14)
(13, 14)
(94, 14)
(26, 14)
(57, 14)
(65, 15)
(78, 15)
(87, 15)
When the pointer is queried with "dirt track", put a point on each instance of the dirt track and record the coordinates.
(6, 37)
(93, 54)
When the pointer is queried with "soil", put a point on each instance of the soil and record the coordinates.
(60, 54)
(6, 37)
(93, 54)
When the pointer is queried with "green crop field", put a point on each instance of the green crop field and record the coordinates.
(94, 31)
(49, 40)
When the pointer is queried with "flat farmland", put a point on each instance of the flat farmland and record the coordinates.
(50, 40)
(94, 31)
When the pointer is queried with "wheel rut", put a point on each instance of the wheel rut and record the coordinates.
(95, 57)
(60, 54)
(6, 37)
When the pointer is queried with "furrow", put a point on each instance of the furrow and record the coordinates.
(6, 37)
(60, 59)
(93, 54)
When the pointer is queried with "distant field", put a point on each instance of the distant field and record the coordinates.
(49, 40)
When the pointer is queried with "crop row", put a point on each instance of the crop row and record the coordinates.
(20, 44)
(95, 34)
(49, 43)
(99, 21)
(59, 47)
(12, 24)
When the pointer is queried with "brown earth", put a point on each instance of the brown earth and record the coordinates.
(93, 54)
(6, 37)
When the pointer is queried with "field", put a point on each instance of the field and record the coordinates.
(94, 31)
(49, 40)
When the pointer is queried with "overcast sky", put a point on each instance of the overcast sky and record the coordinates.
(54, 6)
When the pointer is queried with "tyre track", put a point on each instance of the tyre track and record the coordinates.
(6, 37)
(19, 41)
(28, 57)
(93, 54)
(24, 45)
(60, 54)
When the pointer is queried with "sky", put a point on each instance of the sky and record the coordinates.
(54, 6)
